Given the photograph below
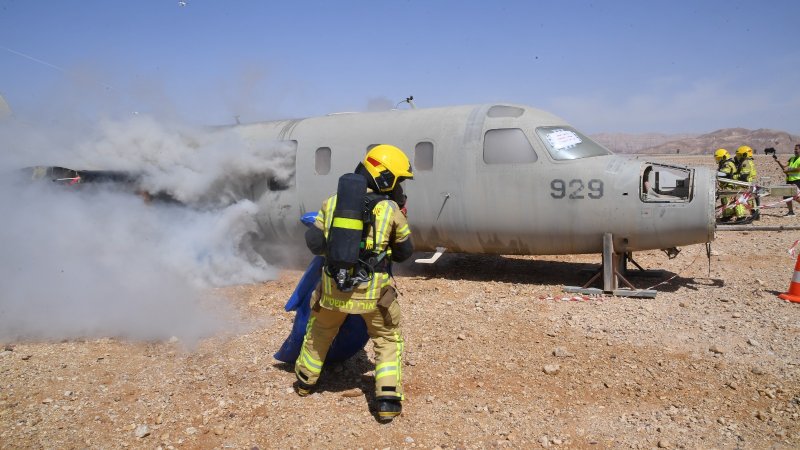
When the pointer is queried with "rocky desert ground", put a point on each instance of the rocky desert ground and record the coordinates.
(497, 356)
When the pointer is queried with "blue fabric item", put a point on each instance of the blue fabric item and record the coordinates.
(308, 218)
(308, 282)
(313, 273)
(352, 335)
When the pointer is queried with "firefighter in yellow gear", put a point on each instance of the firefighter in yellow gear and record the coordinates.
(726, 169)
(374, 298)
(792, 171)
(746, 171)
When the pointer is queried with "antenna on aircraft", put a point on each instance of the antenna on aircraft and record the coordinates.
(409, 100)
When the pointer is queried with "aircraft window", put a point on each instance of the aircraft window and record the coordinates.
(322, 161)
(565, 143)
(504, 111)
(507, 146)
(666, 184)
(423, 156)
(370, 147)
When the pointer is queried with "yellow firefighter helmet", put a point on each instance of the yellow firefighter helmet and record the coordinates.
(721, 154)
(744, 152)
(387, 165)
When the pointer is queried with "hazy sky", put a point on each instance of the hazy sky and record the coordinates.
(617, 66)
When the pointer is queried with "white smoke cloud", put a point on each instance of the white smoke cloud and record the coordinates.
(209, 167)
(5, 110)
(89, 261)
(376, 104)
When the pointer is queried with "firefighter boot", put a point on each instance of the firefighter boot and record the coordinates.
(303, 389)
(388, 408)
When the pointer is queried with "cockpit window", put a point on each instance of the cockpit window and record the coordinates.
(565, 143)
(662, 183)
(507, 146)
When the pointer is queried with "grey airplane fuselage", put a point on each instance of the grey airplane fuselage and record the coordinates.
(500, 179)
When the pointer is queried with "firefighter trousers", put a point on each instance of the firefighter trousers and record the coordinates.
(383, 327)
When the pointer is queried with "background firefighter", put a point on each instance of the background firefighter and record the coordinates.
(386, 239)
(792, 171)
(746, 171)
(726, 166)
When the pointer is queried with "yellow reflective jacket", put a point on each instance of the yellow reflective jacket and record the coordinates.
(794, 163)
(390, 227)
(728, 167)
(747, 170)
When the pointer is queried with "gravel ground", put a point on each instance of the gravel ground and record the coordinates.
(497, 356)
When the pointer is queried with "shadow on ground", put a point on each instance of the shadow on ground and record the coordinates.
(523, 270)
(342, 376)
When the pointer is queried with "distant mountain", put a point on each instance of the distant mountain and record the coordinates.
(727, 138)
(635, 143)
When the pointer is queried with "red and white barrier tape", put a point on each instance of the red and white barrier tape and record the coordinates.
(745, 197)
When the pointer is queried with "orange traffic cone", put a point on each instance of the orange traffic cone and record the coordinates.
(794, 287)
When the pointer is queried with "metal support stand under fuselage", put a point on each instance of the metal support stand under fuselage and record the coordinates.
(614, 266)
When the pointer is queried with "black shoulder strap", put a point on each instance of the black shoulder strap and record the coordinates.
(370, 201)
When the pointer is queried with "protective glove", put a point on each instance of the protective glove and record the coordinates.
(400, 198)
